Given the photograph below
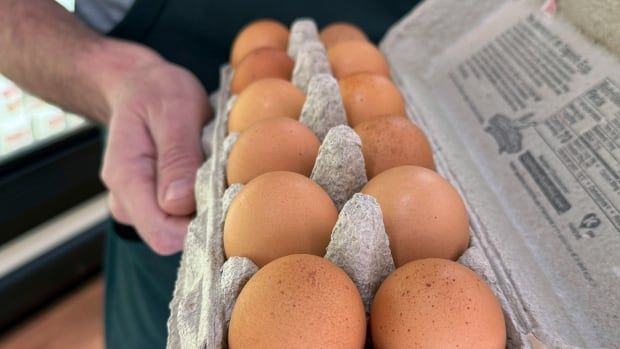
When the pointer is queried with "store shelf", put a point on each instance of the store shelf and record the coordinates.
(44, 262)
(48, 179)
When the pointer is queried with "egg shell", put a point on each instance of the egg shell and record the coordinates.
(424, 215)
(278, 214)
(258, 34)
(264, 99)
(338, 32)
(274, 144)
(366, 96)
(352, 57)
(436, 303)
(260, 64)
(393, 141)
(298, 301)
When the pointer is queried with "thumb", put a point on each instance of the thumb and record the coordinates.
(179, 156)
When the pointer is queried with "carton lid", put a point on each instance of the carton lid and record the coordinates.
(523, 112)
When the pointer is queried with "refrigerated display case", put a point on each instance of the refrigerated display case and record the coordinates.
(52, 203)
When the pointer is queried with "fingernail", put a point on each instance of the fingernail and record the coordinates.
(179, 189)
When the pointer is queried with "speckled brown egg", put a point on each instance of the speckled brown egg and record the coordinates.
(393, 141)
(424, 215)
(277, 214)
(352, 57)
(264, 99)
(258, 34)
(274, 144)
(368, 96)
(436, 303)
(338, 32)
(260, 64)
(299, 301)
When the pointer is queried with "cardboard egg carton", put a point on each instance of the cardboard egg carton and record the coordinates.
(539, 237)
(208, 284)
(206, 290)
(205, 293)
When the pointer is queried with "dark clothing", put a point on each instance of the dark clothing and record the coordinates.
(139, 285)
(197, 34)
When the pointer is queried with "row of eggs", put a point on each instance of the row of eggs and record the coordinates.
(283, 221)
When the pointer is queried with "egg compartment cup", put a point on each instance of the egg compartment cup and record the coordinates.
(208, 283)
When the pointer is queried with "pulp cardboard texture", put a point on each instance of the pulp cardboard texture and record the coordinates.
(523, 113)
(599, 19)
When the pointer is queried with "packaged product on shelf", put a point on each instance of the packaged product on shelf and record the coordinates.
(74, 120)
(47, 119)
(15, 131)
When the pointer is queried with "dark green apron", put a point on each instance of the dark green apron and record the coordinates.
(197, 34)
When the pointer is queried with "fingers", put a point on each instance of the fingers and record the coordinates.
(153, 154)
(163, 233)
(129, 171)
(179, 154)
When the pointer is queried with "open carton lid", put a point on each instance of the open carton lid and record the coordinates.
(523, 111)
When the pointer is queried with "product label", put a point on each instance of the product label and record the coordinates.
(10, 98)
(14, 134)
(537, 105)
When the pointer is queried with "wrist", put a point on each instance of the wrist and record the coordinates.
(107, 62)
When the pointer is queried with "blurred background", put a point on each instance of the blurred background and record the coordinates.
(52, 219)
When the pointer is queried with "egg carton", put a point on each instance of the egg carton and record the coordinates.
(548, 300)
(208, 283)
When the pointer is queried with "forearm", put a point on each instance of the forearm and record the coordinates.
(50, 53)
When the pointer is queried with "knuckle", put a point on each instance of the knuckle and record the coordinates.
(178, 157)
(106, 177)
(110, 175)
(105, 174)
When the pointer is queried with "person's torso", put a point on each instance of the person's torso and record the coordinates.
(198, 34)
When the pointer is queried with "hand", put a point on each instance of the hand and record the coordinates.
(153, 152)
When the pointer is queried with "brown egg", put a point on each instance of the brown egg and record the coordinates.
(274, 144)
(352, 57)
(424, 215)
(278, 214)
(338, 32)
(264, 99)
(367, 96)
(260, 64)
(393, 141)
(298, 301)
(436, 303)
(258, 34)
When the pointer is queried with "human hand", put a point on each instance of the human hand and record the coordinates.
(153, 152)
